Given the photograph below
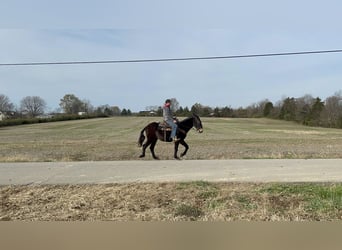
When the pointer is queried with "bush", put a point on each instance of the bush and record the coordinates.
(188, 211)
(57, 118)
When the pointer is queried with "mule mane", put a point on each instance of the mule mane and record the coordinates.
(186, 120)
(187, 123)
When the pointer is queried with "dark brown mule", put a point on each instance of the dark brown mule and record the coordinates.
(154, 132)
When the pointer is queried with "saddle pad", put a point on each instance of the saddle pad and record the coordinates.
(163, 126)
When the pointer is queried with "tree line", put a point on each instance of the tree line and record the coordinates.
(35, 106)
(307, 110)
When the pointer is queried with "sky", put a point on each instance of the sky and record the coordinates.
(61, 31)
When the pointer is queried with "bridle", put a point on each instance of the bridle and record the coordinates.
(197, 127)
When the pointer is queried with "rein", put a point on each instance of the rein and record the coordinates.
(188, 127)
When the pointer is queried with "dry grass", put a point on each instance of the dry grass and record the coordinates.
(116, 138)
(200, 201)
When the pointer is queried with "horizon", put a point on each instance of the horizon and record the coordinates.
(155, 107)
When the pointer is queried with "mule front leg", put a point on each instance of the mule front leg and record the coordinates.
(186, 147)
(176, 150)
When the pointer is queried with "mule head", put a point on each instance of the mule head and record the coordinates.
(197, 123)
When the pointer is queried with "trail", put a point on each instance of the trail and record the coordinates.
(279, 170)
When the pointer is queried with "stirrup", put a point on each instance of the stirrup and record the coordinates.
(175, 139)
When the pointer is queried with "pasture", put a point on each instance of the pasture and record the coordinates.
(116, 139)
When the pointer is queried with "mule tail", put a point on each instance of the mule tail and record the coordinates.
(141, 138)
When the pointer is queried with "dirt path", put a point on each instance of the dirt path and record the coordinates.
(296, 170)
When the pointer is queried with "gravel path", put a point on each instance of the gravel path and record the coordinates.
(282, 170)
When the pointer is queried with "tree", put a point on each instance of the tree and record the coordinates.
(182, 111)
(32, 106)
(186, 111)
(107, 110)
(268, 109)
(126, 112)
(196, 108)
(240, 113)
(71, 104)
(174, 105)
(5, 104)
(314, 118)
(116, 110)
(88, 107)
(332, 112)
(217, 112)
(227, 112)
(257, 109)
(201, 110)
(288, 109)
(303, 108)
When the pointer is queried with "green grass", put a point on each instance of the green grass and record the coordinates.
(189, 211)
(116, 139)
(318, 198)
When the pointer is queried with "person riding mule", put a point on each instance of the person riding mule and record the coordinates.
(154, 133)
(170, 120)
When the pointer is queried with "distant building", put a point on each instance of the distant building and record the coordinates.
(7, 115)
(147, 113)
(45, 116)
(2, 116)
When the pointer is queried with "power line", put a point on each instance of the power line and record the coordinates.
(174, 59)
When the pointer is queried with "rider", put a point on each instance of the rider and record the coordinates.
(168, 118)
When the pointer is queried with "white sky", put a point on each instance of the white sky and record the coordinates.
(50, 31)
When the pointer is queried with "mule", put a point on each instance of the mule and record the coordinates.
(155, 131)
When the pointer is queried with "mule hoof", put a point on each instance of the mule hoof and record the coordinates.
(141, 156)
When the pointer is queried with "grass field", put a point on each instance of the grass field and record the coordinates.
(200, 201)
(116, 139)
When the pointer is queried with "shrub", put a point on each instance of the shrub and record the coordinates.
(57, 118)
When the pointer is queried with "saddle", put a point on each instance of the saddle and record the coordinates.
(165, 129)
(163, 126)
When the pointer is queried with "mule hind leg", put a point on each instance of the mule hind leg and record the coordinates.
(151, 136)
(153, 144)
(144, 146)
